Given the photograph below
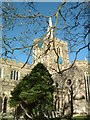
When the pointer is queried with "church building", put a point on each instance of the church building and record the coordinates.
(72, 83)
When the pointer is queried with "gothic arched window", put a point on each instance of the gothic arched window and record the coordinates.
(14, 75)
(5, 105)
(60, 60)
(0, 104)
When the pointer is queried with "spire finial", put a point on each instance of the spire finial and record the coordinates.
(49, 29)
(50, 22)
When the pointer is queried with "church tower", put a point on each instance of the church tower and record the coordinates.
(50, 51)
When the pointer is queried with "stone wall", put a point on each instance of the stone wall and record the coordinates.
(49, 59)
(7, 83)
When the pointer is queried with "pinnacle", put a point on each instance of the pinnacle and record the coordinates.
(49, 29)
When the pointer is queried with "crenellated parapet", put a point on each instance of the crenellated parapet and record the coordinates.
(11, 71)
(5, 61)
(81, 62)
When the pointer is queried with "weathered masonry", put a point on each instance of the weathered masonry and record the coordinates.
(73, 85)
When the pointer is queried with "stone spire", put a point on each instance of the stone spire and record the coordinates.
(50, 32)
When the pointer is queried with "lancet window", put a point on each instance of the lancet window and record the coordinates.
(14, 75)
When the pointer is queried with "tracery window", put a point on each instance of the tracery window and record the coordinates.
(14, 75)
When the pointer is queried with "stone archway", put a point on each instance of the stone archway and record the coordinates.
(5, 105)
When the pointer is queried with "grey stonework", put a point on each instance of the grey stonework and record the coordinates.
(6, 83)
(48, 54)
(76, 74)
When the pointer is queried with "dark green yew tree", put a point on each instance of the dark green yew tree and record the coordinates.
(34, 94)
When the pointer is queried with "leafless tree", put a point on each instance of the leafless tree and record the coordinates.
(70, 22)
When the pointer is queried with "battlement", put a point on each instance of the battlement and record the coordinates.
(81, 62)
(61, 41)
(5, 61)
